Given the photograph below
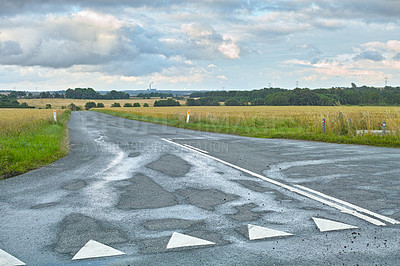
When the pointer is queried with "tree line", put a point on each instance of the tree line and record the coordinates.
(279, 97)
(155, 94)
(77, 93)
(89, 93)
(7, 101)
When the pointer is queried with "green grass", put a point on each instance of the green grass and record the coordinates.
(32, 149)
(269, 128)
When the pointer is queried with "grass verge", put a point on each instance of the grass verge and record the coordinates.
(33, 147)
(282, 128)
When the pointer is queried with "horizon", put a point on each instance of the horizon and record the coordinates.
(194, 46)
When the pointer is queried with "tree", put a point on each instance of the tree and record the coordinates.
(257, 101)
(100, 105)
(145, 105)
(48, 106)
(232, 102)
(89, 105)
(127, 105)
(136, 105)
(116, 105)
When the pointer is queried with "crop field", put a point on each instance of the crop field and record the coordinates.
(293, 122)
(58, 103)
(30, 138)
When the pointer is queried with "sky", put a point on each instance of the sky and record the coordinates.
(198, 44)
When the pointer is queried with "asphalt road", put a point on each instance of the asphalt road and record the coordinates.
(146, 190)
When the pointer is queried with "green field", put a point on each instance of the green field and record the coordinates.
(287, 122)
(29, 139)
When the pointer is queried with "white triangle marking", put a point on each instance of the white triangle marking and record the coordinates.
(179, 240)
(259, 232)
(8, 260)
(94, 249)
(325, 225)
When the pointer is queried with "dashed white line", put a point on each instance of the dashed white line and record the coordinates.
(259, 232)
(7, 259)
(325, 225)
(301, 192)
(94, 249)
(179, 240)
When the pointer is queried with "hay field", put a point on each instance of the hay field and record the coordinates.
(30, 138)
(57, 103)
(291, 122)
(17, 121)
(308, 117)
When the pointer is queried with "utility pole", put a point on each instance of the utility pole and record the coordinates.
(386, 82)
(297, 84)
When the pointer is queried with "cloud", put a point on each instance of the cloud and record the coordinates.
(84, 38)
(123, 40)
(10, 48)
(222, 77)
(201, 41)
(229, 50)
(370, 55)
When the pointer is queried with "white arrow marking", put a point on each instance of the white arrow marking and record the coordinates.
(179, 240)
(9, 260)
(325, 225)
(94, 249)
(259, 232)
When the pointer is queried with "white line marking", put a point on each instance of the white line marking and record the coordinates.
(259, 232)
(179, 240)
(94, 249)
(7, 259)
(290, 188)
(384, 218)
(325, 225)
(197, 149)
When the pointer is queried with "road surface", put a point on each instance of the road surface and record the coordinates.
(134, 193)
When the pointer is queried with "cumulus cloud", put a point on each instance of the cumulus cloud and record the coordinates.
(84, 38)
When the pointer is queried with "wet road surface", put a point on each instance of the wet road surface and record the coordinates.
(134, 193)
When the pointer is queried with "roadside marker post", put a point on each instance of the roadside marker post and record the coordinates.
(188, 116)
(383, 127)
(55, 115)
(323, 125)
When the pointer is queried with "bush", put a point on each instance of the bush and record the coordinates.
(100, 105)
(48, 106)
(145, 105)
(115, 105)
(73, 107)
(168, 102)
(127, 105)
(89, 105)
(136, 105)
